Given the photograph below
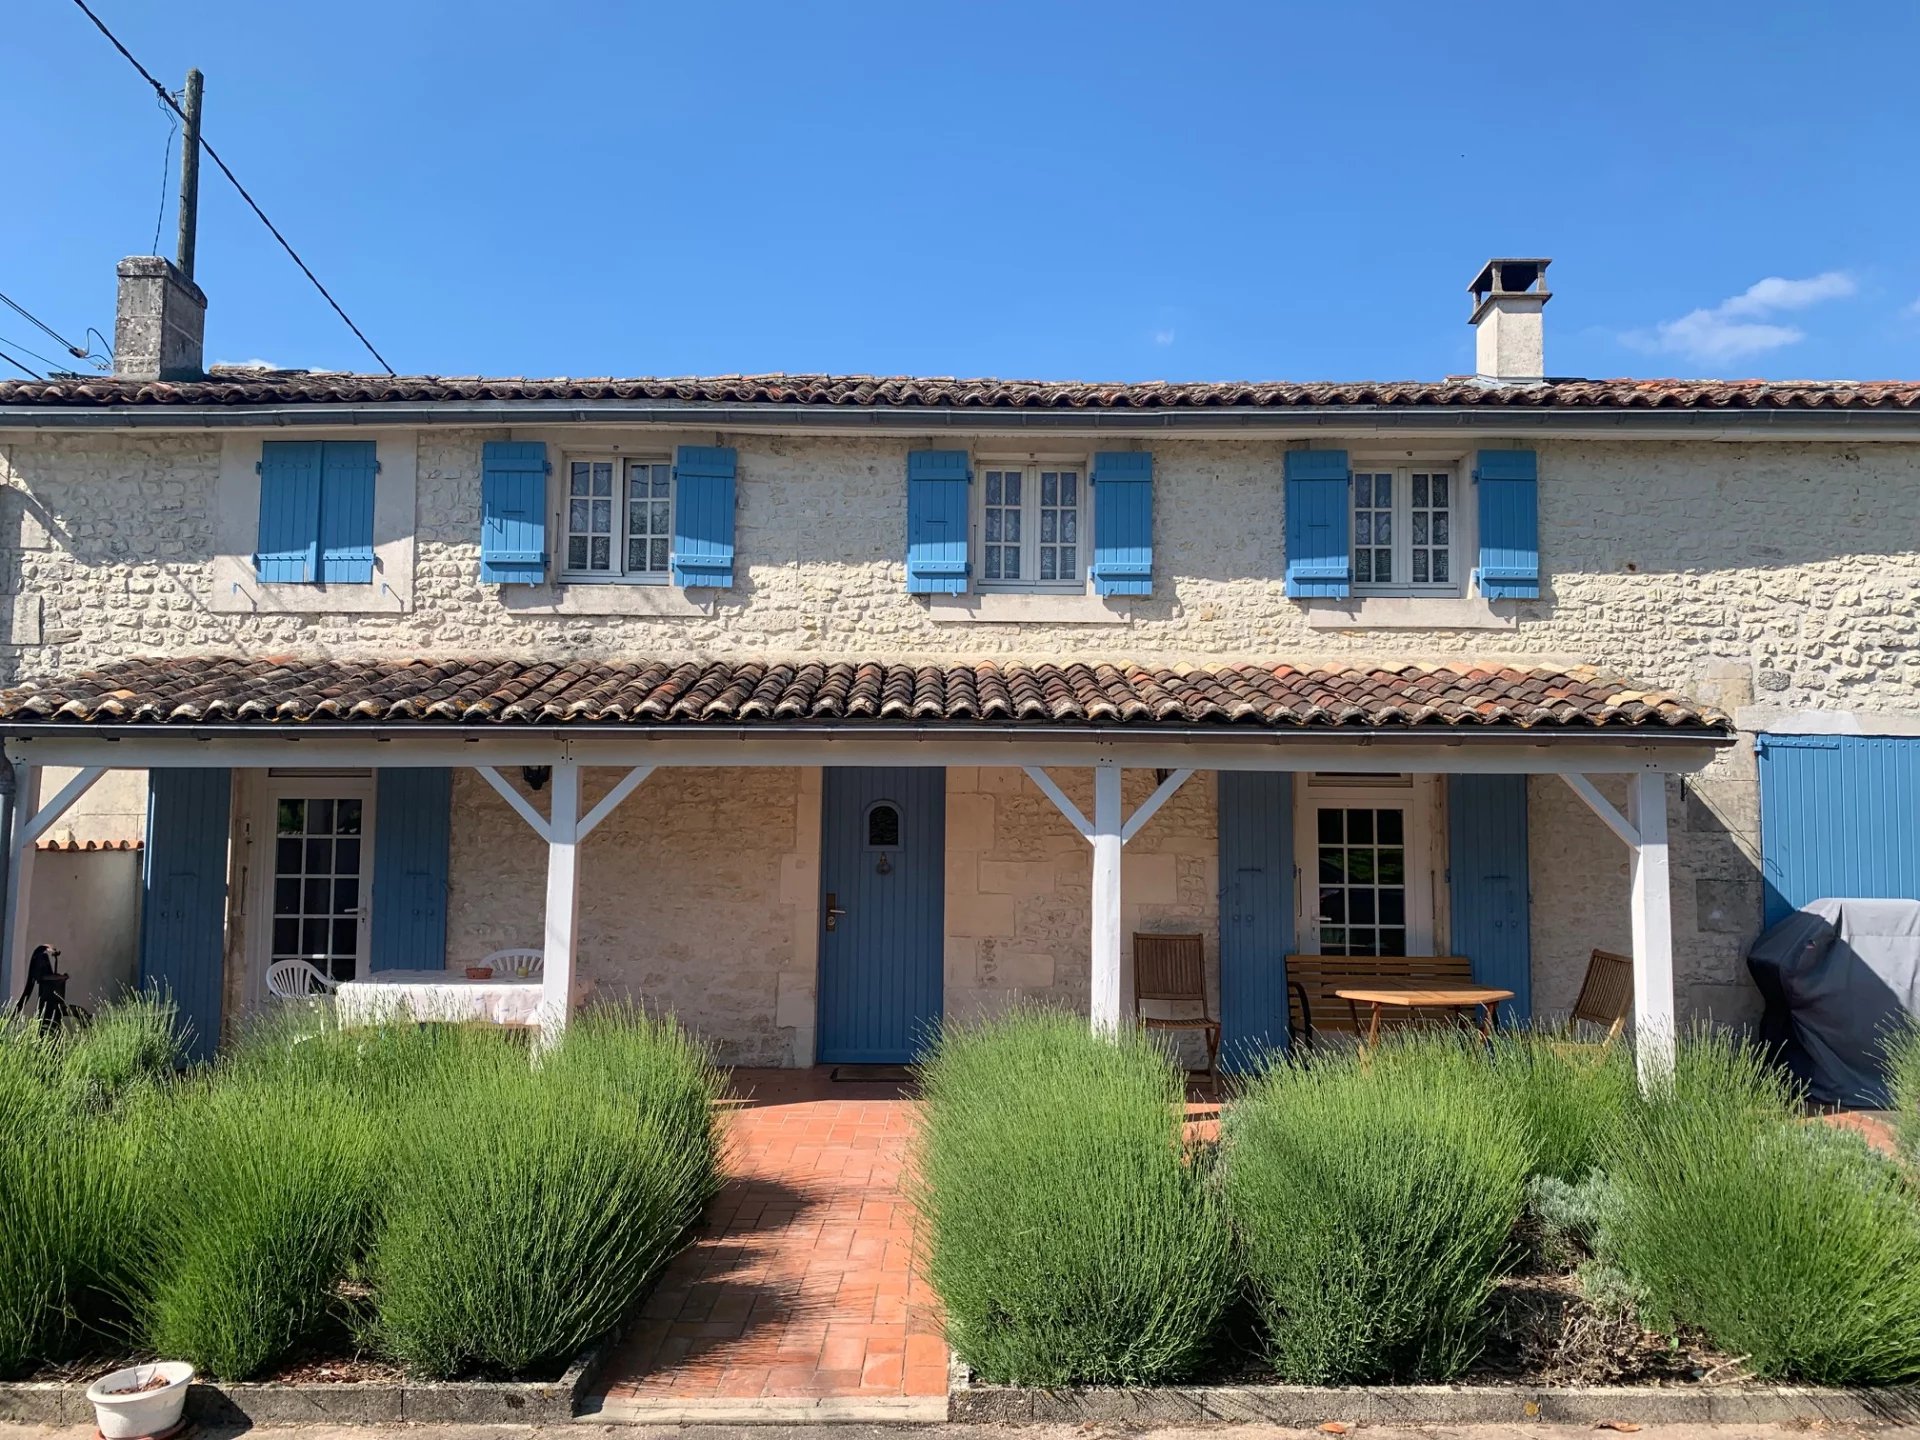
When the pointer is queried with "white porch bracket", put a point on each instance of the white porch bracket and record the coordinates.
(1643, 829)
(1060, 801)
(563, 829)
(1109, 834)
(625, 786)
(31, 821)
(518, 801)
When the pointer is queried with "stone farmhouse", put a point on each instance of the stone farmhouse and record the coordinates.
(817, 708)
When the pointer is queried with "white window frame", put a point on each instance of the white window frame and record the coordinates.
(1417, 796)
(1461, 544)
(1030, 465)
(281, 785)
(620, 462)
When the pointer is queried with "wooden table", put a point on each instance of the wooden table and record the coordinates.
(1418, 995)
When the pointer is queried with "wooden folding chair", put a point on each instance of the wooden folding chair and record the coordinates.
(1173, 968)
(1605, 996)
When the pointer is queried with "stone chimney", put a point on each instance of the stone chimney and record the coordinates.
(158, 322)
(1508, 296)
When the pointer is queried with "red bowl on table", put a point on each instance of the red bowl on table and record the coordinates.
(479, 972)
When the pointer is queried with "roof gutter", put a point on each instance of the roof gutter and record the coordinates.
(293, 732)
(1305, 420)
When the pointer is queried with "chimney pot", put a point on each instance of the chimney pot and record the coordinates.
(159, 322)
(1508, 298)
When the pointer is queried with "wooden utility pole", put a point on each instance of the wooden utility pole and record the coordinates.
(189, 175)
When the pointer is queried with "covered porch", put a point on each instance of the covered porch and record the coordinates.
(881, 887)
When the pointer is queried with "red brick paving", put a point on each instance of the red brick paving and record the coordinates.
(802, 1281)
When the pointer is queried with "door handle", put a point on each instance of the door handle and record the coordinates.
(834, 912)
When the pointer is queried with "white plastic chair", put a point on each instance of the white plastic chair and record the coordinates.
(517, 964)
(297, 980)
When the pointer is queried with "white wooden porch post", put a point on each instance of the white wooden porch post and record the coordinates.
(13, 953)
(1108, 1002)
(1653, 1018)
(563, 900)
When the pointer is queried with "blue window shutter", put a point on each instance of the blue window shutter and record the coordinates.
(183, 910)
(347, 471)
(938, 519)
(1123, 523)
(412, 821)
(1509, 566)
(1319, 518)
(1836, 819)
(288, 550)
(1487, 883)
(1256, 913)
(513, 512)
(703, 516)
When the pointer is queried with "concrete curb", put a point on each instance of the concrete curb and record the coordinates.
(462, 1402)
(1301, 1406)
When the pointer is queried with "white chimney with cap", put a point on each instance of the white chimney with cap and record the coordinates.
(1508, 298)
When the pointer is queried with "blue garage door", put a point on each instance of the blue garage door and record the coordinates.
(1839, 815)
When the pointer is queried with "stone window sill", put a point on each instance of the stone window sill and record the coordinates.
(602, 598)
(1415, 612)
(237, 592)
(1039, 609)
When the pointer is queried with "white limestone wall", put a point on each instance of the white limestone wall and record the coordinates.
(1777, 575)
(698, 895)
(1019, 886)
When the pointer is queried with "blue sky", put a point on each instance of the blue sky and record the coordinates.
(1111, 190)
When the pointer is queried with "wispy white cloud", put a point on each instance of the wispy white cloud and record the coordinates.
(1744, 324)
(1163, 337)
(1914, 309)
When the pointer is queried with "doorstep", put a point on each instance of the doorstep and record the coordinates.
(1307, 1406)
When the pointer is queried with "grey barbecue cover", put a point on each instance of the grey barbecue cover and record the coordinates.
(1838, 976)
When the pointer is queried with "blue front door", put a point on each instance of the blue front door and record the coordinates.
(882, 882)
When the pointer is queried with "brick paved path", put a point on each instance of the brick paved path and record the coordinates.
(801, 1284)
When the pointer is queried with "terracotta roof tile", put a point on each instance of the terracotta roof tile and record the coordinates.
(242, 387)
(219, 689)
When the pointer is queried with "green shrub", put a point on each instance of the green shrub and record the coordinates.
(71, 1213)
(267, 1203)
(1375, 1197)
(1567, 1096)
(528, 1211)
(133, 1041)
(1784, 1240)
(1903, 1079)
(1069, 1237)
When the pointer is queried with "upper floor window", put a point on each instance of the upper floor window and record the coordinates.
(316, 512)
(619, 519)
(1033, 525)
(1403, 530)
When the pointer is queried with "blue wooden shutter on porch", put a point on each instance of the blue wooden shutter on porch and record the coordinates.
(183, 907)
(287, 551)
(1487, 883)
(1256, 913)
(1123, 523)
(938, 518)
(703, 516)
(347, 472)
(1319, 514)
(513, 512)
(412, 820)
(1509, 566)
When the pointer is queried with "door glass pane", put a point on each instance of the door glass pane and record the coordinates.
(1362, 862)
(316, 884)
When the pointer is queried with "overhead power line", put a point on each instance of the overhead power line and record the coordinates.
(79, 352)
(167, 99)
(18, 366)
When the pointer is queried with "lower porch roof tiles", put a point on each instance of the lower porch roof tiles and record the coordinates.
(202, 690)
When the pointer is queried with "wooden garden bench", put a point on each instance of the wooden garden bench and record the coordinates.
(1312, 1005)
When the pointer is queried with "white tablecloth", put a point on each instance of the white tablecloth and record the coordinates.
(437, 995)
